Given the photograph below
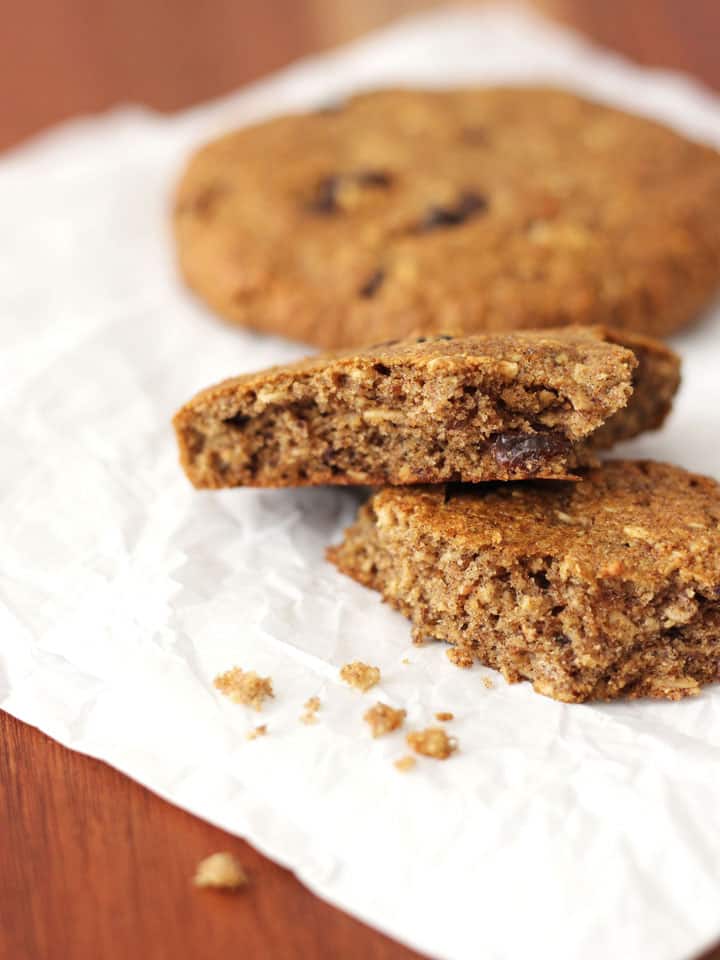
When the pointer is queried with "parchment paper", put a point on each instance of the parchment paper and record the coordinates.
(557, 831)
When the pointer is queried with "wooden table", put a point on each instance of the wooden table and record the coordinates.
(92, 865)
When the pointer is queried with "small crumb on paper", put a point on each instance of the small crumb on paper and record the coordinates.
(406, 661)
(432, 742)
(487, 683)
(383, 719)
(360, 675)
(405, 763)
(222, 871)
(311, 708)
(256, 732)
(444, 715)
(460, 657)
(245, 687)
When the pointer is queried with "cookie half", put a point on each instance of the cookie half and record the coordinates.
(594, 590)
(429, 410)
(476, 210)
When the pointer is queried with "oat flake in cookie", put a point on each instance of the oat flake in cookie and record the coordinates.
(430, 409)
(592, 591)
(486, 209)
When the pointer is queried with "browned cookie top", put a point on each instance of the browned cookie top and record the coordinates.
(639, 521)
(488, 209)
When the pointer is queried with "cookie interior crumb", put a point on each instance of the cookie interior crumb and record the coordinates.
(256, 732)
(460, 657)
(244, 686)
(403, 764)
(487, 683)
(311, 708)
(444, 715)
(360, 675)
(383, 719)
(220, 870)
(432, 742)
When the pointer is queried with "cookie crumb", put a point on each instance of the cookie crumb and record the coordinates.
(432, 742)
(405, 763)
(460, 657)
(256, 732)
(487, 683)
(311, 708)
(444, 715)
(246, 687)
(383, 719)
(360, 675)
(406, 661)
(222, 871)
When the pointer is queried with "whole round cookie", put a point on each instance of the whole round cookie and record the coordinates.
(411, 211)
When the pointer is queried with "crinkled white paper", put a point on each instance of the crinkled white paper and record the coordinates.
(557, 831)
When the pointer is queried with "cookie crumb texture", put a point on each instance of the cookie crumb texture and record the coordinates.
(311, 708)
(244, 686)
(405, 764)
(485, 209)
(444, 716)
(432, 742)
(596, 590)
(360, 675)
(383, 719)
(430, 409)
(222, 871)
(256, 732)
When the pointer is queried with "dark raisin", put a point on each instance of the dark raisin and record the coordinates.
(381, 369)
(469, 204)
(528, 451)
(421, 340)
(324, 200)
(444, 336)
(373, 178)
(372, 284)
(238, 422)
(561, 640)
(540, 579)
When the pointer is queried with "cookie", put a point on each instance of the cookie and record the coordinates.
(592, 590)
(430, 409)
(475, 210)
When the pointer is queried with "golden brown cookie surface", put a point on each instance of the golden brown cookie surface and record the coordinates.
(488, 209)
(605, 588)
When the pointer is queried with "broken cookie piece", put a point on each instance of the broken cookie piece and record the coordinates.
(592, 591)
(429, 410)
(244, 686)
(432, 742)
(383, 719)
(360, 675)
(220, 870)
(310, 710)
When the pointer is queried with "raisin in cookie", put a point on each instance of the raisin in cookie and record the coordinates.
(592, 590)
(474, 210)
(430, 409)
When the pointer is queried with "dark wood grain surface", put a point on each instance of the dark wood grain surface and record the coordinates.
(92, 866)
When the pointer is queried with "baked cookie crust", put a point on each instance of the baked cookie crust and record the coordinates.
(429, 410)
(596, 590)
(476, 210)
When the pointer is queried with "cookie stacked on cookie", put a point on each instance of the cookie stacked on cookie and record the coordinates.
(496, 529)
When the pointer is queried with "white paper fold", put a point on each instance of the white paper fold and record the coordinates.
(557, 831)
